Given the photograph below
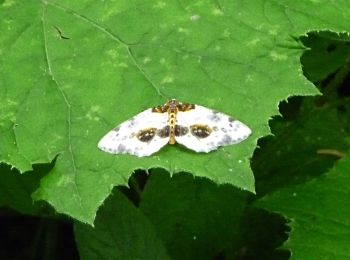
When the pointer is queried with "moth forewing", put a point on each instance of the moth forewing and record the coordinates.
(210, 129)
(137, 136)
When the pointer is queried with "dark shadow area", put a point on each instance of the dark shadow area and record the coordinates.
(311, 134)
(31, 230)
(30, 237)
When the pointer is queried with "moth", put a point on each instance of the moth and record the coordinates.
(196, 127)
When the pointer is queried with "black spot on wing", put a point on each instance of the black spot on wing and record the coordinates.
(146, 135)
(184, 106)
(180, 130)
(225, 140)
(200, 131)
(164, 132)
(214, 117)
(223, 129)
(212, 144)
(132, 122)
(234, 126)
(121, 148)
(231, 120)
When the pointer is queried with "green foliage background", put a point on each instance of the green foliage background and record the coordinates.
(69, 72)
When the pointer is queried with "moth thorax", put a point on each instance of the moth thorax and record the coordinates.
(173, 104)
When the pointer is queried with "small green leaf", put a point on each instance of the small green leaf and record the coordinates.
(121, 232)
(319, 211)
(16, 189)
(300, 143)
(329, 52)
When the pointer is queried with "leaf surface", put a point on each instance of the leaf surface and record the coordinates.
(73, 71)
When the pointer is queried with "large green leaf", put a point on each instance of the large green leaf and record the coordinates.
(319, 212)
(72, 71)
(195, 218)
(311, 136)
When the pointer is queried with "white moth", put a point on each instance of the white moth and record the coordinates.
(196, 127)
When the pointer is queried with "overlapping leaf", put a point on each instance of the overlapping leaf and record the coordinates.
(121, 232)
(205, 216)
(319, 213)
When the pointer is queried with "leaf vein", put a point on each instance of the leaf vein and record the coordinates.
(66, 101)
